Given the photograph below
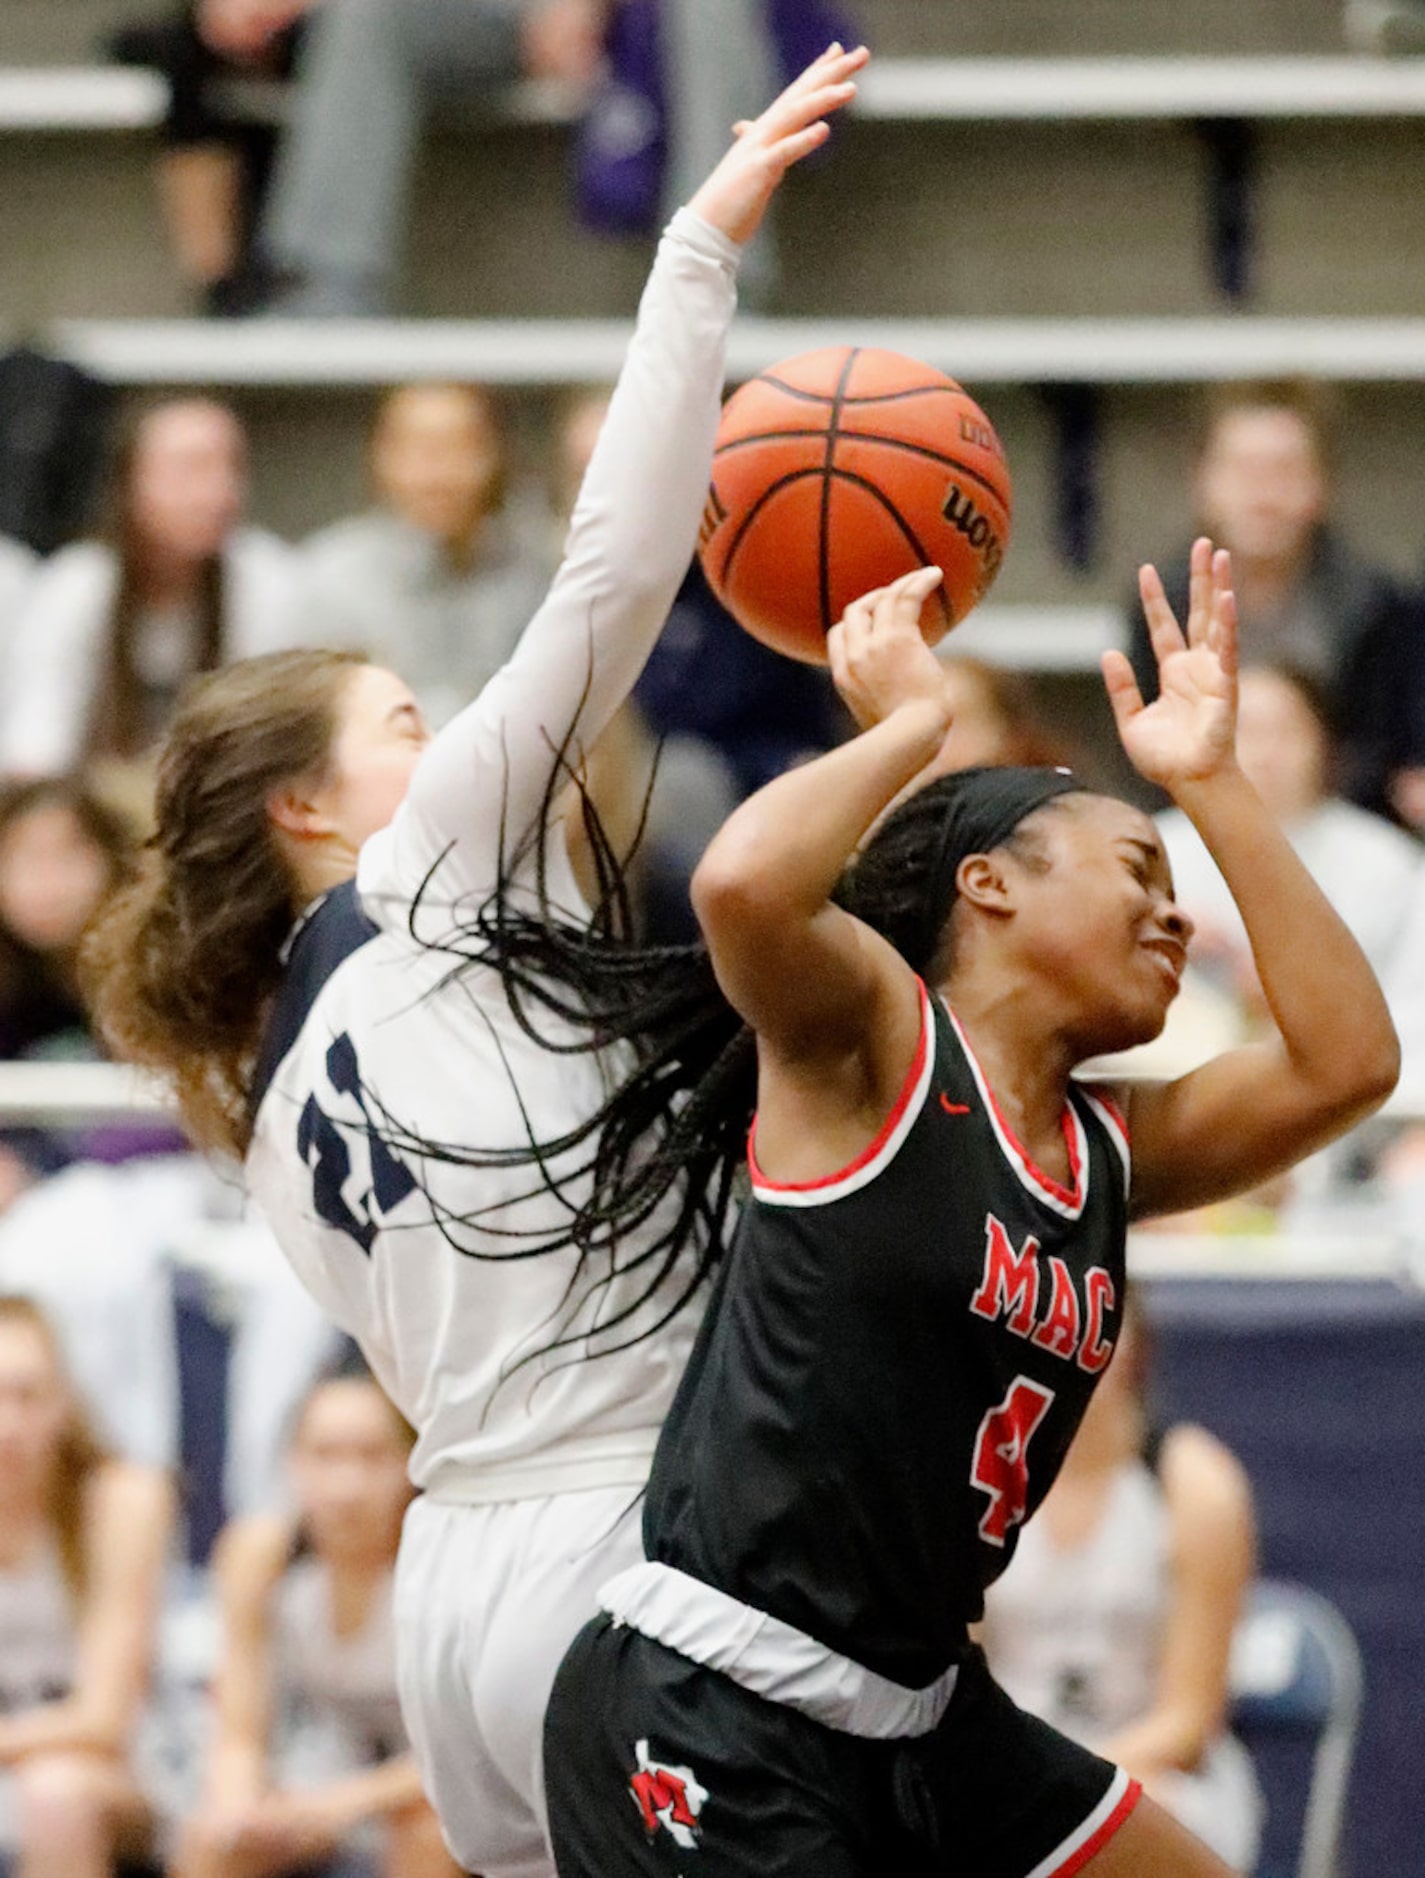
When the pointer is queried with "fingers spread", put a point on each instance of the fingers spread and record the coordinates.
(1201, 586)
(1163, 629)
(1122, 687)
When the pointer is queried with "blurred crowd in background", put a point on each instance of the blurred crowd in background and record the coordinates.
(436, 578)
(438, 575)
(219, 1698)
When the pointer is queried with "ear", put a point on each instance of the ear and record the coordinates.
(296, 813)
(982, 882)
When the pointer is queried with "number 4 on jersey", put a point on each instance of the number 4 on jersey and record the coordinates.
(1001, 1465)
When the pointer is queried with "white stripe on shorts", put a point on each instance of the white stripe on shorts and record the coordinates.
(770, 1658)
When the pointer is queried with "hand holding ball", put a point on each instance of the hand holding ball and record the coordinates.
(839, 471)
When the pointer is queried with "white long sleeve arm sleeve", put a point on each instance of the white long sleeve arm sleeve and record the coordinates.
(632, 536)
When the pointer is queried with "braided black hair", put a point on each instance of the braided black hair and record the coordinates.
(666, 1149)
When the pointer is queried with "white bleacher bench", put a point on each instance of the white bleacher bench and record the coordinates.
(59, 1093)
(118, 98)
(40, 1093)
(1087, 90)
(78, 98)
(536, 352)
(80, 1094)
(1042, 638)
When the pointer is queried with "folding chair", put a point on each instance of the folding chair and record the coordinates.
(1296, 1703)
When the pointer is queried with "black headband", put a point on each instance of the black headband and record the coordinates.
(983, 807)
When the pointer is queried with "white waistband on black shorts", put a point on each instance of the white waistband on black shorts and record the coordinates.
(770, 1658)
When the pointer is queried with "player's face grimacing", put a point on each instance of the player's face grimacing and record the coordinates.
(1100, 919)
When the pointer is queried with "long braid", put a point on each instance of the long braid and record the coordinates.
(666, 1148)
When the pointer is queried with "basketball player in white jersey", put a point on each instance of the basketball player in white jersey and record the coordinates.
(338, 1057)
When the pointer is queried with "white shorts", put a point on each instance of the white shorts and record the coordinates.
(487, 1600)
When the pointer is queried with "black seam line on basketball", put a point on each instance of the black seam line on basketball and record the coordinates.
(872, 436)
(922, 558)
(850, 476)
(833, 430)
(782, 482)
(861, 397)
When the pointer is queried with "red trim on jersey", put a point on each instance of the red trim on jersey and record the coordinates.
(1072, 1198)
(888, 1127)
(1096, 1841)
(1068, 1196)
(1101, 1095)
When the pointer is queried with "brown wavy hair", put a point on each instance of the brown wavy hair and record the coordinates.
(78, 1456)
(181, 966)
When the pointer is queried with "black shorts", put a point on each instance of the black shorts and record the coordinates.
(655, 1766)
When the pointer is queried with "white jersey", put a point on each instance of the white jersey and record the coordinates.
(376, 1041)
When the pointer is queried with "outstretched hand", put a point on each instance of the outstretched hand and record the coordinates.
(879, 658)
(735, 197)
(1189, 732)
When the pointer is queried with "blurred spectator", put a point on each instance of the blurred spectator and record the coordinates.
(1366, 867)
(83, 1542)
(994, 719)
(1114, 1619)
(729, 715)
(102, 1250)
(213, 171)
(55, 422)
(677, 73)
(367, 71)
(61, 851)
(1263, 490)
(310, 1754)
(18, 566)
(90, 1247)
(1404, 982)
(113, 628)
(1394, 27)
(1405, 787)
(441, 577)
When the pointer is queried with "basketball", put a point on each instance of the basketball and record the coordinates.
(837, 472)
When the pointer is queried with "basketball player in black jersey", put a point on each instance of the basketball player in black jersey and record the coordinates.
(926, 1281)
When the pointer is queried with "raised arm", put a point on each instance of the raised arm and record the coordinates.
(633, 531)
(836, 1010)
(1251, 1112)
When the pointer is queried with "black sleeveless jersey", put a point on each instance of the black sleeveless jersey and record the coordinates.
(892, 1367)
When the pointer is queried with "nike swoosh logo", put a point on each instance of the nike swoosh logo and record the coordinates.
(953, 1108)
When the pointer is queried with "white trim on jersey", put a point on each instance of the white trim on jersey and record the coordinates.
(876, 1158)
(1059, 1199)
(1111, 1116)
(1090, 1837)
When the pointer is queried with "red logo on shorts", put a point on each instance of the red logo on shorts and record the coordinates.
(670, 1797)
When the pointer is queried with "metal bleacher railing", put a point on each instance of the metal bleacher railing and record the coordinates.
(1011, 351)
(75, 98)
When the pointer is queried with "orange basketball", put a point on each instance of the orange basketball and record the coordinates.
(839, 471)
